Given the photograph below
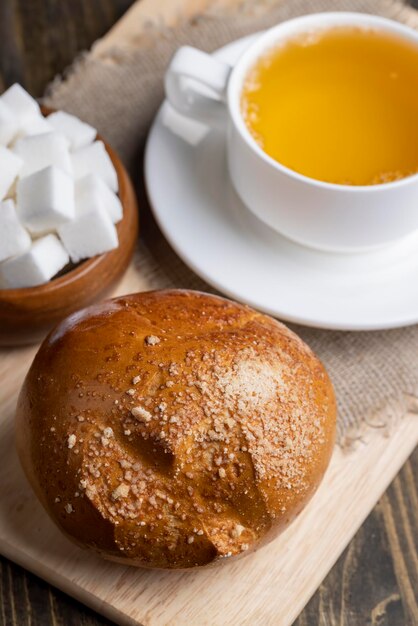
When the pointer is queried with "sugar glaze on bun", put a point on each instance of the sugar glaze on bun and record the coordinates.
(174, 429)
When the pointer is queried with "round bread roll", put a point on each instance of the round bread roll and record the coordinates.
(174, 429)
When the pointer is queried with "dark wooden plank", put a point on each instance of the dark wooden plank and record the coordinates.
(26, 600)
(375, 581)
(39, 38)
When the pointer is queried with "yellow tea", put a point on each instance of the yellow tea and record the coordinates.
(338, 105)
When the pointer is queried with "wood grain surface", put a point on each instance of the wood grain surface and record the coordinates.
(375, 581)
(40, 38)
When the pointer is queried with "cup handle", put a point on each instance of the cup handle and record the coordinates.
(195, 85)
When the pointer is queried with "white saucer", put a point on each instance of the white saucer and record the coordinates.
(215, 234)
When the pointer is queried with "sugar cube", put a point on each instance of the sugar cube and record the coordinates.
(78, 133)
(35, 126)
(20, 102)
(91, 192)
(91, 232)
(8, 124)
(10, 166)
(14, 239)
(39, 264)
(39, 151)
(94, 159)
(45, 199)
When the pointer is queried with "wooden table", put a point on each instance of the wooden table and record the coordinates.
(375, 581)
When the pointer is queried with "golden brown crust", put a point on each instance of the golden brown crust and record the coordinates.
(173, 428)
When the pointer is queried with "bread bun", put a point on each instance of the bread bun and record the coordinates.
(172, 429)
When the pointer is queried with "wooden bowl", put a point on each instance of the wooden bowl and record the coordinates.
(27, 314)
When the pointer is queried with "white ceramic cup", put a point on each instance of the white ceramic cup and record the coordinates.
(322, 215)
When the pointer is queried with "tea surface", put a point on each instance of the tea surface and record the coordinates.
(339, 105)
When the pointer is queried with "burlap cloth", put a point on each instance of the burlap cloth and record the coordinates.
(375, 373)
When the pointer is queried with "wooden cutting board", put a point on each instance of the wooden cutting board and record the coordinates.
(269, 587)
